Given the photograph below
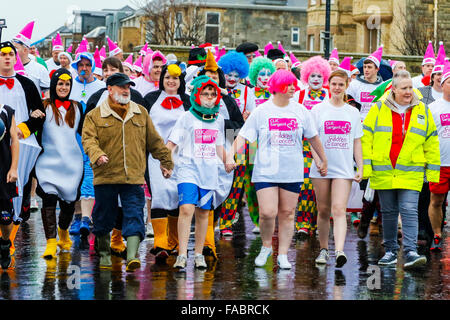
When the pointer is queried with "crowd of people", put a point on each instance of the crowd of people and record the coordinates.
(300, 144)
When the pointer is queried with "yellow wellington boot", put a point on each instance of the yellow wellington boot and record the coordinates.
(172, 237)
(12, 237)
(64, 242)
(209, 249)
(160, 230)
(117, 244)
(50, 250)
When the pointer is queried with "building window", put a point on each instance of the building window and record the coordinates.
(295, 36)
(313, 2)
(212, 27)
(322, 41)
(178, 25)
(311, 42)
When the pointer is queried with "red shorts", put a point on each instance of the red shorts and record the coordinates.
(444, 182)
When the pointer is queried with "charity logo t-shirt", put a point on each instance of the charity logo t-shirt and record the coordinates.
(440, 109)
(338, 128)
(198, 162)
(279, 132)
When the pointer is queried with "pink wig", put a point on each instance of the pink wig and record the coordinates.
(280, 81)
(316, 64)
(148, 61)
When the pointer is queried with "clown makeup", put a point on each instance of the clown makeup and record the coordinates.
(315, 81)
(232, 79)
(63, 88)
(263, 78)
(208, 97)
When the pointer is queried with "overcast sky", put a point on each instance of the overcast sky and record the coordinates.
(48, 14)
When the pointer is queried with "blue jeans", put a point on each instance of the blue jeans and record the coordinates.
(106, 209)
(406, 202)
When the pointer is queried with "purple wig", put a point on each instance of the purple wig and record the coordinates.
(280, 80)
(316, 64)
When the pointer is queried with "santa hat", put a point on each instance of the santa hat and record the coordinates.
(83, 47)
(280, 47)
(57, 43)
(429, 55)
(144, 49)
(98, 62)
(128, 62)
(67, 55)
(376, 56)
(137, 66)
(70, 48)
(294, 60)
(353, 70)
(18, 67)
(268, 47)
(334, 57)
(25, 35)
(103, 53)
(346, 65)
(440, 59)
(446, 72)
(113, 47)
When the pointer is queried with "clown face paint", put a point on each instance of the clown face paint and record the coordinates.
(263, 78)
(232, 79)
(315, 81)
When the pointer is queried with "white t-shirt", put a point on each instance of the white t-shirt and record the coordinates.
(38, 74)
(440, 110)
(81, 92)
(144, 87)
(279, 132)
(436, 95)
(338, 127)
(51, 65)
(417, 81)
(360, 91)
(198, 162)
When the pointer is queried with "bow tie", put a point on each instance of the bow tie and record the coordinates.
(9, 82)
(312, 94)
(262, 92)
(171, 103)
(65, 104)
(235, 93)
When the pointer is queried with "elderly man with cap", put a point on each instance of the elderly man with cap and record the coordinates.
(117, 135)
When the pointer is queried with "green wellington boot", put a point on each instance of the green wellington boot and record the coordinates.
(104, 251)
(133, 263)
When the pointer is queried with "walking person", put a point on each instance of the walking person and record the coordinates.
(279, 126)
(340, 131)
(400, 144)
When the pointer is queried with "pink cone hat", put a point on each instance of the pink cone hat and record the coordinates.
(392, 63)
(334, 57)
(98, 62)
(18, 67)
(82, 48)
(216, 52)
(257, 54)
(429, 55)
(440, 59)
(149, 51)
(222, 52)
(129, 62)
(280, 47)
(346, 65)
(70, 48)
(446, 72)
(113, 48)
(376, 56)
(294, 60)
(57, 43)
(137, 66)
(268, 47)
(144, 49)
(103, 53)
(26, 34)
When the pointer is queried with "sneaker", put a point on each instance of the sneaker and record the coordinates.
(261, 259)
(302, 234)
(199, 261)
(226, 233)
(34, 205)
(436, 245)
(149, 233)
(84, 226)
(388, 259)
(323, 256)
(414, 260)
(181, 262)
(341, 259)
(355, 218)
(256, 230)
(75, 227)
(283, 262)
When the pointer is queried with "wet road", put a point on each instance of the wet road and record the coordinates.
(75, 275)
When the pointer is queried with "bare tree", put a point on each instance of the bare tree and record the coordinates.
(172, 22)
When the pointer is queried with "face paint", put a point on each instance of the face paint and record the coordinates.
(263, 78)
(315, 81)
(232, 79)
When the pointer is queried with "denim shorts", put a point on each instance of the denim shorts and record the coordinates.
(292, 187)
(189, 193)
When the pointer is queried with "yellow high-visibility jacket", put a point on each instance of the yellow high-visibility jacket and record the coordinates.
(419, 153)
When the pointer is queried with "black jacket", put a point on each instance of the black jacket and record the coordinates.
(34, 102)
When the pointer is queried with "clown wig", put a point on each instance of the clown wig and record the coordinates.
(316, 64)
(280, 81)
(235, 61)
(257, 65)
(148, 61)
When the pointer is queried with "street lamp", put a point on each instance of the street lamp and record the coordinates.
(2, 25)
(327, 29)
